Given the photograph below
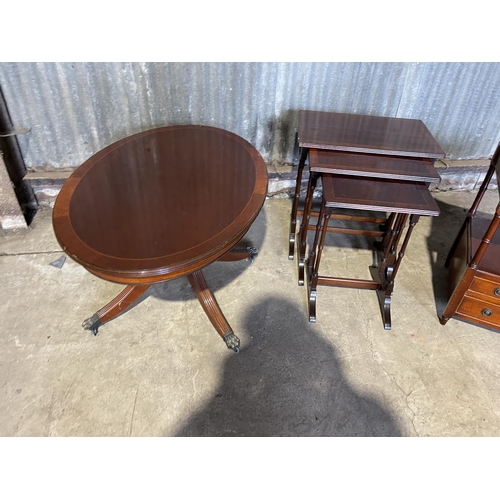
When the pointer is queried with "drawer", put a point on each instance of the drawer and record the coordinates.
(488, 288)
(484, 312)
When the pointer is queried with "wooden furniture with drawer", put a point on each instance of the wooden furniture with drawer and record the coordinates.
(474, 262)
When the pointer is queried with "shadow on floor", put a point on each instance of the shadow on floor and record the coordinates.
(286, 382)
(444, 229)
(218, 274)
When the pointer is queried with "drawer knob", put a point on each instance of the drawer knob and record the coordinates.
(486, 312)
(496, 291)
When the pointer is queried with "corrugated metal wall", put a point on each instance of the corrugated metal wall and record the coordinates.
(75, 109)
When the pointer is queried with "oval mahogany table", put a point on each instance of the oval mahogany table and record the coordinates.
(159, 205)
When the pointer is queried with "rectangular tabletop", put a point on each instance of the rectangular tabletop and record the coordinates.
(367, 165)
(379, 195)
(366, 134)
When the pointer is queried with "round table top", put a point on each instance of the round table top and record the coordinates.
(159, 203)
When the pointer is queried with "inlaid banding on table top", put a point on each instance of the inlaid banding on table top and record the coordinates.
(378, 166)
(160, 200)
(159, 205)
(379, 195)
(366, 134)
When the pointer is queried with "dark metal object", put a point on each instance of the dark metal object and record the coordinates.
(497, 291)
(232, 341)
(486, 312)
(92, 324)
(15, 164)
(252, 253)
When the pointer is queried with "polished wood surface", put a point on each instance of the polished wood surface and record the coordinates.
(474, 263)
(487, 287)
(158, 205)
(370, 137)
(365, 163)
(366, 134)
(378, 166)
(490, 262)
(479, 311)
(162, 202)
(381, 195)
(406, 201)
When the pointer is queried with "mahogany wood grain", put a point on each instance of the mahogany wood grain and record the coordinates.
(490, 261)
(158, 201)
(119, 304)
(473, 209)
(474, 276)
(382, 195)
(350, 134)
(384, 274)
(487, 287)
(295, 203)
(213, 311)
(366, 134)
(368, 165)
(358, 218)
(479, 311)
(161, 204)
(304, 227)
(347, 230)
(348, 282)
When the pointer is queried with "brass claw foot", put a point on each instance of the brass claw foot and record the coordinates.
(252, 253)
(232, 342)
(93, 323)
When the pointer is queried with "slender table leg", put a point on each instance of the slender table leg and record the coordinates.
(388, 223)
(313, 282)
(391, 278)
(388, 245)
(472, 212)
(388, 228)
(235, 254)
(121, 302)
(314, 249)
(212, 309)
(313, 179)
(388, 268)
(295, 204)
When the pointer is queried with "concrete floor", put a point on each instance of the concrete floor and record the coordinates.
(162, 370)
